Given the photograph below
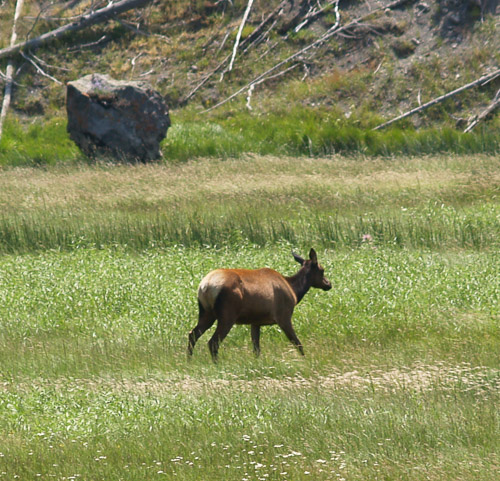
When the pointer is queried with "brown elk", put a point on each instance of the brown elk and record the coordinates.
(258, 297)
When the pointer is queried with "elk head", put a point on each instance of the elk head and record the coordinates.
(315, 271)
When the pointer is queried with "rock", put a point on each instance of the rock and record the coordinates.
(122, 119)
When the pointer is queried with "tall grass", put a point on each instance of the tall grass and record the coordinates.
(435, 229)
(329, 202)
(315, 133)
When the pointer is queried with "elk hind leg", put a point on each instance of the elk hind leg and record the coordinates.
(206, 320)
(222, 330)
(227, 308)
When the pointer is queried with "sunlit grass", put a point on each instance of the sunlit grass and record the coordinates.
(98, 278)
(68, 313)
(251, 431)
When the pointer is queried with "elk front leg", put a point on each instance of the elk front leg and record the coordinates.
(222, 330)
(287, 328)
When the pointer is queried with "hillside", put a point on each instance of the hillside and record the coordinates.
(385, 58)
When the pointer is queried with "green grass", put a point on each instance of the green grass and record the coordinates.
(99, 269)
(129, 431)
(42, 142)
(118, 297)
(400, 375)
(298, 132)
(315, 134)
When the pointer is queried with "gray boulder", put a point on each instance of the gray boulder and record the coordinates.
(112, 118)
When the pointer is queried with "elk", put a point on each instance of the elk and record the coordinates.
(259, 297)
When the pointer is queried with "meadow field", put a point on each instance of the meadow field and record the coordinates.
(99, 267)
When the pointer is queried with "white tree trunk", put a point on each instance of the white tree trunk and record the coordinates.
(238, 36)
(10, 69)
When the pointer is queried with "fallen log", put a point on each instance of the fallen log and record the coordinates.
(106, 13)
(484, 79)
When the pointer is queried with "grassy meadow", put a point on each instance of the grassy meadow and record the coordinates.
(99, 267)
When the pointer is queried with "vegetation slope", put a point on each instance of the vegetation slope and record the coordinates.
(324, 101)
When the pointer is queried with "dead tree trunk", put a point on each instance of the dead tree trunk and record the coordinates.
(10, 69)
(238, 35)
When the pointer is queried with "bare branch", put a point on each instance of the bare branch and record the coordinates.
(42, 9)
(313, 13)
(279, 74)
(102, 40)
(45, 64)
(39, 69)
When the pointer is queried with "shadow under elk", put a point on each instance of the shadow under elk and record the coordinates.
(259, 297)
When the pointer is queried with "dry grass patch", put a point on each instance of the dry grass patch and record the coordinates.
(84, 187)
(418, 378)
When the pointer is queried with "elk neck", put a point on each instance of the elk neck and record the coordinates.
(300, 283)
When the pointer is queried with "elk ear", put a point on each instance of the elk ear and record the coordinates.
(298, 258)
(313, 256)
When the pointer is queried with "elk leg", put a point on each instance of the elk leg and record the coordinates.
(255, 333)
(223, 328)
(290, 333)
(205, 321)
(227, 309)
